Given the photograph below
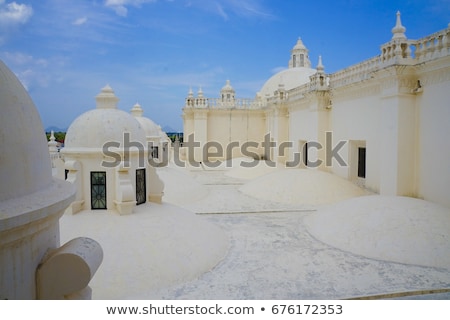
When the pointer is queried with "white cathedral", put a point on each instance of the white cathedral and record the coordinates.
(382, 123)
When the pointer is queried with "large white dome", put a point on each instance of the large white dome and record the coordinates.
(25, 162)
(106, 123)
(296, 75)
(290, 78)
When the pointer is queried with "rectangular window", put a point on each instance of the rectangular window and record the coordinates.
(305, 154)
(302, 60)
(361, 162)
(140, 186)
(154, 152)
(98, 190)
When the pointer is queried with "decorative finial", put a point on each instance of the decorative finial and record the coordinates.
(137, 111)
(399, 29)
(52, 144)
(190, 94)
(299, 44)
(106, 99)
(320, 66)
(200, 92)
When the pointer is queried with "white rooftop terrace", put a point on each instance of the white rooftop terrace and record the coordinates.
(219, 242)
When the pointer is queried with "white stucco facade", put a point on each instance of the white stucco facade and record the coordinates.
(106, 158)
(386, 117)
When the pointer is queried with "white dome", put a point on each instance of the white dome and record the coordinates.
(227, 87)
(106, 123)
(25, 162)
(96, 127)
(290, 78)
(151, 129)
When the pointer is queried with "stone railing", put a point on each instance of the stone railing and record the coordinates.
(434, 46)
(356, 73)
(217, 103)
(409, 52)
(397, 51)
(400, 51)
(298, 92)
(233, 104)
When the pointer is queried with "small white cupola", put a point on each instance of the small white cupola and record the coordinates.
(106, 99)
(227, 93)
(299, 56)
(137, 111)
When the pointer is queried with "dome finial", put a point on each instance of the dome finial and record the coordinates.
(399, 29)
(137, 110)
(106, 99)
(320, 66)
(52, 144)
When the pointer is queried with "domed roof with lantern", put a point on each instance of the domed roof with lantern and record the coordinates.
(298, 72)
(106, 123)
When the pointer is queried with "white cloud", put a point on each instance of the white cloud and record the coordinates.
(31, 71)
(221, 11)
(13, 13)
(120, 6)
(80, 21)
(223, 8)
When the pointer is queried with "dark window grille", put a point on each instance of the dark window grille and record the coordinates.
(98, 190)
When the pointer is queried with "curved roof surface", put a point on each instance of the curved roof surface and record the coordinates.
(290, 78)
(24, 157)
(96, 127)
(104, 124)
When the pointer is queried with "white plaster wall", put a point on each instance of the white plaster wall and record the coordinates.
(357, 118)
(226, 126)
(200, 133)
(434, 142)
(303, 126)
(92, 162)
(219, 131)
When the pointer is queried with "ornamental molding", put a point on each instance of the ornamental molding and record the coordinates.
(434, 76)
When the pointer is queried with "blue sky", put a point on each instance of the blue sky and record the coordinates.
(153, 51)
